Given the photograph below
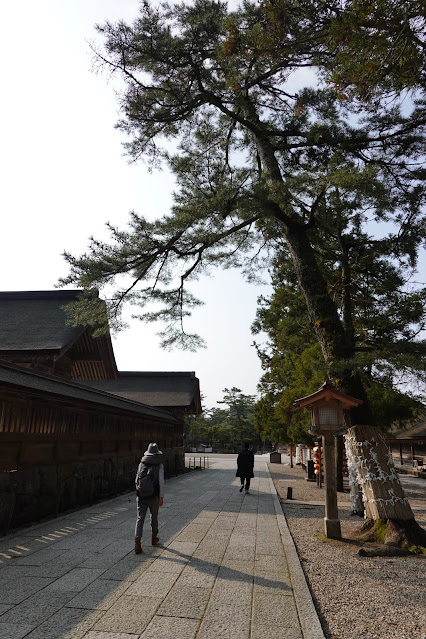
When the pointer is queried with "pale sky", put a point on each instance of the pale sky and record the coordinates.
(63, 176)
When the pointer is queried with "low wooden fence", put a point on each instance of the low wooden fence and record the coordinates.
(408, 452)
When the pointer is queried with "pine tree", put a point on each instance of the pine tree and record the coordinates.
(256, 164)
(379, 49)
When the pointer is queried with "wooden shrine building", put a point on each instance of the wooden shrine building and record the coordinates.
(72, 427)
(408, 447)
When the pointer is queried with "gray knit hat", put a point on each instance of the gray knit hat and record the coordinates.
(152, 450)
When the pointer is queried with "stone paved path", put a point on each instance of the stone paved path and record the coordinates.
(226, 567)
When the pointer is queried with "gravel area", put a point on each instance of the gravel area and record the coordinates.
(356, 597)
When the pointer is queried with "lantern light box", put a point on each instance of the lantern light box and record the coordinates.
(327, 405)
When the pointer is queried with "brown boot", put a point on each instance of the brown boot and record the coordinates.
(155, 539)
(138, 547)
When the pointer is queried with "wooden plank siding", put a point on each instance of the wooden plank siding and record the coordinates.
(36, 430)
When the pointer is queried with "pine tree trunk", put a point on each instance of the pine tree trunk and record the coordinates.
(338, 442)
(383, 495)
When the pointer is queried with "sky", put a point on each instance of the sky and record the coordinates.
(63, 176)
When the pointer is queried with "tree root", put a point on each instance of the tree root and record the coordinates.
(385, 551)
(394, 538)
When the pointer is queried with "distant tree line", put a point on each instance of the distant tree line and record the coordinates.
(225, 429)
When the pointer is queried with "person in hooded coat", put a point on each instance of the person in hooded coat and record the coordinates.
(152, 457)
(245, 464)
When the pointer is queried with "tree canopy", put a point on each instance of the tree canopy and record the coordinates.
(225, 429)
(379, 49)
(261, 167)
(292, 362)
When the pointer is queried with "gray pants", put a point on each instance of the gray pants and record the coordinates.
(153, 504)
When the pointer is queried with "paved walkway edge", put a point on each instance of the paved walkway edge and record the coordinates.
(308, 617)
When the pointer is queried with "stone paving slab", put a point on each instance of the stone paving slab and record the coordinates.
(225, 622)
(225, 568)
(105, 559)
(152, 584)
(169, 563)
(208, 558)
(231, 593)
(185, 601)
(75, 580)
(93, 634)
(129, 614)
(171, 628)
(15, 591)
(197, 579)
(101, 594)
(37, 558)
(264, 548)
(127, 570)
(36, 609)
(274, 610)
(201, 566)
(236, 574)
(272, 583)
(67, 623)
(270, 563)
(275, 632)
(14, 631)
(183, 547)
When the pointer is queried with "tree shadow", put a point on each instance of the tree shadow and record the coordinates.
(221, 571)
(63, 556)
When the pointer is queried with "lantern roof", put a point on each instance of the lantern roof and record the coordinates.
(328, 392)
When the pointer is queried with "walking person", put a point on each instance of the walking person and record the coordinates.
(245, 464)
(150, 492)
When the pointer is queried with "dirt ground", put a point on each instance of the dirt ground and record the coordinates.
(356, 597)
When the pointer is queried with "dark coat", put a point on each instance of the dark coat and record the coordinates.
(245, 463)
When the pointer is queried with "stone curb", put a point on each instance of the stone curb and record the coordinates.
(308, 617)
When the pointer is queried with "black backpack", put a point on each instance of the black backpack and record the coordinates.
(147, 480)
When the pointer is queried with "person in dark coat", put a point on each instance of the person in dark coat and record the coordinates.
(245, 464)
(152, 457)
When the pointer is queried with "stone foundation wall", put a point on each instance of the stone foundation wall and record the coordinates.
(32, 494)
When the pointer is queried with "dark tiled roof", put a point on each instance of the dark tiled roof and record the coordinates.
(179, 390)
(29, 380)
(417, 430)
(35, 321)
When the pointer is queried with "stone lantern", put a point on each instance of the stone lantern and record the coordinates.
(327, 406)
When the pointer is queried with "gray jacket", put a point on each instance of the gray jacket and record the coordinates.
(160, 475)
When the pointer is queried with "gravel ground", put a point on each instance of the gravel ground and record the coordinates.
(356, 597)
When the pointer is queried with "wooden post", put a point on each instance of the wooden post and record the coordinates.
(291, 455)
(331, 519)
(401, 458)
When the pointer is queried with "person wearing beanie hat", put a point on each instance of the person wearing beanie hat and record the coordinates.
(151, 462)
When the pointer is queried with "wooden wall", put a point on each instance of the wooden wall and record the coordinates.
(38, 430)
(58, 453)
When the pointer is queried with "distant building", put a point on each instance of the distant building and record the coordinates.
(408, 446)
(204, 448)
